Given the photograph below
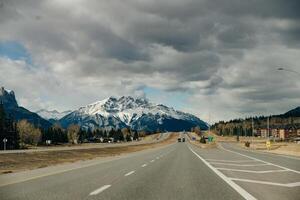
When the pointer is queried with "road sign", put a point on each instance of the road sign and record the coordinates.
(268, 144)
(210, 138)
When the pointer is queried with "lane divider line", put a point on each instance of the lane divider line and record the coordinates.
(144, 165)
(235, 186)
(129, 173)
(100, 190)
(152, 160)
(298, 172)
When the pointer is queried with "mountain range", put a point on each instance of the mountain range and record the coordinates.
(126, 111)
(136, 113)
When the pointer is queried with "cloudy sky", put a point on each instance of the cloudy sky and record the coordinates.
(206, 57)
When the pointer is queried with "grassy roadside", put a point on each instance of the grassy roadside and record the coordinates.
(259, 144)
(282, 148)
(15, 162)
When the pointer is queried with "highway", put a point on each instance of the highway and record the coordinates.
(177, 171)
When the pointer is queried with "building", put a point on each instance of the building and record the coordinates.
(283, 134)
(264, 133)
(257, 132)
(288, 132)
(275, 132)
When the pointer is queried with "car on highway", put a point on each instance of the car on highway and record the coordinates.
(179, 139)
(183, 139)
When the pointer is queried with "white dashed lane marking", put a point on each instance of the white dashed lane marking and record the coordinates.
(144, 165)
(100, 190)
(129, 173)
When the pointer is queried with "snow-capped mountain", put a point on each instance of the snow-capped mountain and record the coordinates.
(136, 113)
(53, 114)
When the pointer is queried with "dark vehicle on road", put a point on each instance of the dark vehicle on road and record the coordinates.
(183, 139)
(179, 139)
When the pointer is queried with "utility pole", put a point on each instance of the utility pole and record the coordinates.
(252, 124)
(268, 127)
(252, 129)
(209, 123)
(244, 128)
(4, 142)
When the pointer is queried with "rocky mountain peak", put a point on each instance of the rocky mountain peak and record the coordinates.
(7, 97)
(136, 113)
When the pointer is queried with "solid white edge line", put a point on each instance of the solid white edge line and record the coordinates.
(267, 183)
(236, 187)
(129, 173)
(220, 146)
(100, 190)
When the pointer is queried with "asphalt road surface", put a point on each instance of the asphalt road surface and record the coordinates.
(177, 171)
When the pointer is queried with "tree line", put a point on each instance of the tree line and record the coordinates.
(22, 133)
(243, 127)
(73, 134)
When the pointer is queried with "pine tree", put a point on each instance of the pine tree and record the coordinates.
(135, 135)
(128, 138)
(2, 120)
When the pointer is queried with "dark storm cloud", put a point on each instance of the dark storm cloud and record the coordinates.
(222, 48)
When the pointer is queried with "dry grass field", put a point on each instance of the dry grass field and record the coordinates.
(14, 162)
